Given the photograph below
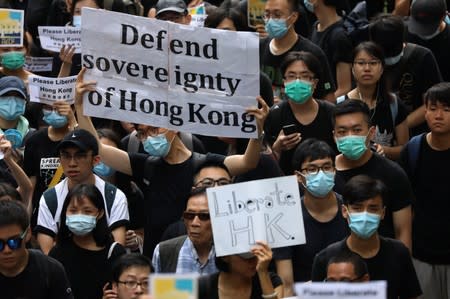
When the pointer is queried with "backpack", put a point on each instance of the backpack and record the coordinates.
(356, 24)
(168, 253)
(413, 149)
(52, 201)
(131, 7)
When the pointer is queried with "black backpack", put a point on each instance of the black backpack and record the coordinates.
(356, 24)
(131, 7)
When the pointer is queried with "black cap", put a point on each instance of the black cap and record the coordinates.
(79, 138)
(426, 16)
(170, 5)
(12, 83)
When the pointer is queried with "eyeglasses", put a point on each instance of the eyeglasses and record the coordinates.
(132, 284)
(208, 182)
(314, 169)
(203, 216)
(371, 63)
(78, 156)
(303, 77)
(152, 132)
(13, 243)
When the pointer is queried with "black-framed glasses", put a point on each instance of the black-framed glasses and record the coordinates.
(13, 243)
(203, 216)
(209, 182)
(371, 63)
(132, 284)
(314, 169)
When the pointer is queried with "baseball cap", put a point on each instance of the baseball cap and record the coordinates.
(12, 83)
(426, 16)
(79, 138)
(171, 5)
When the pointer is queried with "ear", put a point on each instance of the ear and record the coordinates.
(100, 215)
(383, 213)
(315, 82)
(294, 17)
(371, 132)
(28, 235)
(299, 177)
(96, 159)
(344, 211)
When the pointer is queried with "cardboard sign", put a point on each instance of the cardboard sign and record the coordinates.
(48, 90)
(11, 27)
(54, 37)
(174, 286)
(342, 290)
(267, 210)
(169, 75)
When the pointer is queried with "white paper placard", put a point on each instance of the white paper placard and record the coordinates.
(54, 37)
(341, 290)
(48, 90)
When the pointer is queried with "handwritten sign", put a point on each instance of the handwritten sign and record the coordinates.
(267, 210)
(174, 286)
(54, 37)
(48, 90)
(38, 64)
(11, 28)
(341, 290)
(170, 75)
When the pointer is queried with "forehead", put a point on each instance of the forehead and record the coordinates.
(212, 172)
(135, 271)
(86, 3)
(197, 202)
(9, 231)
(277, 5)
(341, 269)
(364, 55)
(10, 49)
(350, 120)
(318, 161)
(298, 66)
(374, 201)
(79, 202)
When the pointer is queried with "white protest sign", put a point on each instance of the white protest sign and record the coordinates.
(174, 286)
(11, 27)
(38, 64)
(267, 210)
(341, 290)
(48, 90)
(54, 37)
(198, 15)
(168, 75)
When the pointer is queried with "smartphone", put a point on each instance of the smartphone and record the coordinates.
(373, 146)
(290, 129)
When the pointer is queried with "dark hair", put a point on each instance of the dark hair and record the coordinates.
(221, 264)
(376, 51)
(311, 149)
(310, 60)
(99, 3)
(13, 212)
(389, 32)
(101, 233)
(8, 190)
(351, 106)
(347, 256)
(126, 261)
(294, 5)
(196, 192)
(361, 188)
(225, 11)
(210, 164)
(109, 134)
(438, 93)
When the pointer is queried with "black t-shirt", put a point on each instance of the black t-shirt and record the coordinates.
(399, 191)
(42, 278)
(431, 223)
(318, 236)
(320, 128)
(440, 46)
(208, 286)
(88, 270)
(166, 188)
(41, 161)
(335, 43)
(270, 64)
(392, 263)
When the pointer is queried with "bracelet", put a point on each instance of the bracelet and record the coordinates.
(270, 296)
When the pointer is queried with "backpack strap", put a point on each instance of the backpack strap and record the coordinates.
(110, 195)
(133, 143)
(413, 149)
(51, 200)
(168, 253)
(187, 140)
(111, 249)
(198, 160)
(394, 109)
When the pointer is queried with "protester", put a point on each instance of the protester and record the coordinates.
(84, 243)
(26, 273)
(347, 266)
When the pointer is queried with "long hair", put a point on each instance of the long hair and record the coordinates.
(101, 233)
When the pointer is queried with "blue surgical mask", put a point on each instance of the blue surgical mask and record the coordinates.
(157, 146)
(76, 21)
(298, 91)
(447, 20)
(276, 28)
(13, 60)
(81, 224)
(394, 59)
(352, 146)
(103, 170)
(15, 137)
(54, 119)
(309, 6)
(11, 107)
(320, 184)
(364, 224)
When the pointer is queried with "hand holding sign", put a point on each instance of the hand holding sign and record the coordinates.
(259, 113)
(5, 148)
(264, 254)
(82, 87)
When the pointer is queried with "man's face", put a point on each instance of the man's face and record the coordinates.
(77, 165)
(437, 116)
(175, 17)
(351, 124)
(212, 176)
(11, 259)
(133, 275)
(343, 272)
(309, 167)
(199, 230)
(280, 9)
(372, 205)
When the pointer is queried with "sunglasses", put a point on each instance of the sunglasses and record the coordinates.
(13, 243)
(204, 216)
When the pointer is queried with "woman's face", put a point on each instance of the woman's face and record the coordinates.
(83, 3)
(241, 266)
(227, 24)
(367, 69)
(83, 206)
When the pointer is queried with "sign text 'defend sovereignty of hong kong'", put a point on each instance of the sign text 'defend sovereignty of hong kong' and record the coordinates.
(168, 75)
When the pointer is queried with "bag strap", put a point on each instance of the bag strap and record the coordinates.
(56, 177)
(133, 143)
(110, 195)
(413, 148)
(51, 200)
(168, 253)
(111, 249)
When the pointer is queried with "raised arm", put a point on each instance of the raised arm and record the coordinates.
(264, 255)
(238, 164)
(113, 157)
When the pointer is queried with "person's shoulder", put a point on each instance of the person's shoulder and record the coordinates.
(173, 241)
(42, 260)
(326, 105)
(38, 136)
(394, 168)
(395, 246)
(332, 249)
(305, 44)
